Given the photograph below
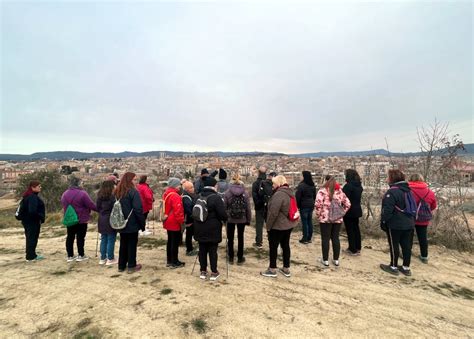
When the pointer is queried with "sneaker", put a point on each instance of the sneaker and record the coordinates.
(406, 272)
(121, 270)
(335, 262)
(325, 263)
(389, 269)
(214, 276)
(424, 260)
(82, 258)
(192, 253)
(111, 262)
(178, 264)
(102, 261)
(39, 257)
(70, 259)
(203, 275)
(135, 269)
(240, 261)
(285, 271)
(257, 244)
(269, 273)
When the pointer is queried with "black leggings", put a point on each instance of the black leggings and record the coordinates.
(282, 238)
(32, 231)
(211, 249)
(353, 234)
(172, 247)
(189, 238)
(397, 238)
(330, 232)
(128, 250)
(422, 235)
(230, 239)
(79, 230)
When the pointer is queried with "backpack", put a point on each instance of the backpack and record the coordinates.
(410, 204)
(200, 210)
(423, 210)
(20, 213)
(263, 194)
(336, 211)
(117, 219)
(238, 207)
(293, 213)
(70, 215)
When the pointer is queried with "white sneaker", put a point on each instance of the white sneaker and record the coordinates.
(335, 262)
(70, 259)
(147, 232)
(111, 262)
(82, 258)
(102, 261)
(203, 275)
(325, 263)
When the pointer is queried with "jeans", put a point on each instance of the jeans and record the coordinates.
(107, 245)
(128, 250)
(230, 240)
(259, 226)
(397, 238)
(282, 238)
(172, 247)
(353, 234)
(211, 249)
(307, 222)
(32, 231)
(330, 232)
(79, 230)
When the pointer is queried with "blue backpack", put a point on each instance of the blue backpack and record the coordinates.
(410, 204)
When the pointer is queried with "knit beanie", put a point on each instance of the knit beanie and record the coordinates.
(222, 174)
(209, 181)
(174, 182)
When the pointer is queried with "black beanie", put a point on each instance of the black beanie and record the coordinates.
(209, 181)
(204, 171)
(222, 174)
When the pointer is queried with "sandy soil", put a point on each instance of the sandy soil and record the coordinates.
(52, 298)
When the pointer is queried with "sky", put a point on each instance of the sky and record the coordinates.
(288, 77)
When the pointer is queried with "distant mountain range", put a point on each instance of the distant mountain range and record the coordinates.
(67, 155)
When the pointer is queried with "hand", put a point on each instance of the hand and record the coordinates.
(383, 226)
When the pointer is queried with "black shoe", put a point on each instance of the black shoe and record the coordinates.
(178, 264)
(168, 264)
(257, 244)
(121, 270)
(240, 261)
(304, 241)
(404, 271)
(231, 260)
(389, 269)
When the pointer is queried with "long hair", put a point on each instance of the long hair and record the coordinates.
(395, 175)
(125, 185)
(330, 185)
(307, 178)
(352, 175)
(29, 190)
(106, 190)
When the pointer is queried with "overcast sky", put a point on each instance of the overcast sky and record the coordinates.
(109, 76)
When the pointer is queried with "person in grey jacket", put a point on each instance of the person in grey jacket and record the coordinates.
(279, 226)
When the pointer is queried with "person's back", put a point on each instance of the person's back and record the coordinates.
(104, 208)
(211, 229)
(353, 190)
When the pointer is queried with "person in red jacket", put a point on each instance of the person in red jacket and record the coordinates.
(174, 218)
(146, 195)
(420, 191)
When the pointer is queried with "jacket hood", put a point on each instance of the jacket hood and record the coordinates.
(171, 189)
(286, 190)
(355, 183)
(417, 184)
(402, 185)
(236, 189)
(262, 176)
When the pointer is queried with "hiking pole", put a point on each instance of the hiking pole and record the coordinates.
(227, 256)
(97, 242)
(195, 260)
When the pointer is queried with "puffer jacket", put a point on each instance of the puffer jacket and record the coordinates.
(353, 191)
(233, 191)
(80, 201)
(34, 208)
(391, 217)
(278, 208)
(146, 194)
(305, 195)
(136, 221)
(420, 191)
(173, 209)
(104, 208)
(210, 231)
(323, 203)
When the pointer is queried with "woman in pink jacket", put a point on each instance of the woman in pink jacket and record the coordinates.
(331, 205)
(421, 191)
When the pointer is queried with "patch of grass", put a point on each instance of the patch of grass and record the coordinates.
(84, 323)
(166, 291)
(4, 301)
(455, 291)
(115, 275)
(150, 243)
(259, 253)
(55, 218)
(155, 281)
(8, 250)
(199, 325)
(7, 219)
(88, 334)
(58, 273)
(51, 328)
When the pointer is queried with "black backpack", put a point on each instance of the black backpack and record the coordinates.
(20, 211)
(238, 207)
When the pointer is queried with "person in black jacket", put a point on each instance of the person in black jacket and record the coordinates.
(32, 214)
(259, 205)
(353, 190)
(305, 197)
(189, 198)
(105, 203)
(209, 232)
(129, 199)
(396, 223)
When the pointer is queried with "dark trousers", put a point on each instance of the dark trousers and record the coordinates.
(189, 238)
(206, 248)
(353, 234)
(282, 238)
(397, 238)
(330, 232)
(172, 247)
(128, 250)
(422, 235)
(32, 231)
(79, 231)
(259, 219)
(307, 223)
(240, 238)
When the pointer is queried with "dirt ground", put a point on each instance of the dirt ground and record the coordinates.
(53, 298)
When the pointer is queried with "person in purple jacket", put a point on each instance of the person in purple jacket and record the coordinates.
(105, 203)
(76, 196)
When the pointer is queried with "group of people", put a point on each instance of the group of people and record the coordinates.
(202, 208)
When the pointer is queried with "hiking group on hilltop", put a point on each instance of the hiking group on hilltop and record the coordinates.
(202, 208)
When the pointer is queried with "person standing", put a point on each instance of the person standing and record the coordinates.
(279, 226)
(426, 200)
(259, 204)
(146, 194)
(82, 203)
(198, 184)
(305, 198)
(174, 218)
(131, 204)
(353, 190)
(239, 214)
(396, 223)
(189, 198)
(329, 199)
(32, 214)
(222, 184)
(105, 203)
(209, 232)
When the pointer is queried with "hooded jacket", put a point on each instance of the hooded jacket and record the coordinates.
(278, 208)
(173, 209)
(258, 199)
(237, 189)
(80, 201)
(211, 229)
(391, 217)
(146, 194)
(189, 199)
(34, 209)
(353, 191)
(420, 191)
(323, 202)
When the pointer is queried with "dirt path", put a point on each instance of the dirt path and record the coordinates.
(55, 299)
